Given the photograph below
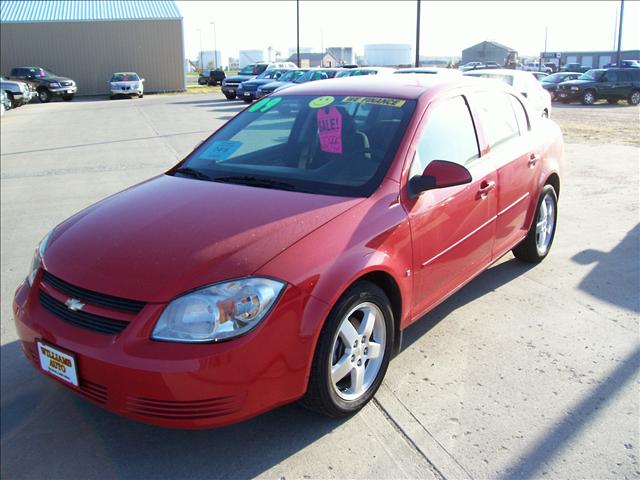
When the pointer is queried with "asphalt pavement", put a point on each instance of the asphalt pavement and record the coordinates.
(527, 372)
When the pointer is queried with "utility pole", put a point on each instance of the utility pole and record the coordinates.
(298, 32)
(215, 48)
(615, 29)
(618, 56)
(201, 66)
(546, 29)
(418, 36)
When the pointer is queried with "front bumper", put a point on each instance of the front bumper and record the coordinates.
(69, 90)
(230, 89)
(568, 95)
(130, 91)
(175, 384)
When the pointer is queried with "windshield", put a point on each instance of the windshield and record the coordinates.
(270, 74)
(555, 78)
(339, 145)
(124, 77)
(344, 73)
(248, 70)
(591, 75)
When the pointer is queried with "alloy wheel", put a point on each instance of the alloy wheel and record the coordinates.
(545, 224)
(358, 351)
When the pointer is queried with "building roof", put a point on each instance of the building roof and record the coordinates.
(496, 44)
(41, 11)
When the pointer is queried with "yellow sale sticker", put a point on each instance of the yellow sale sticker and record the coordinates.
(387, 102)
(321, 101)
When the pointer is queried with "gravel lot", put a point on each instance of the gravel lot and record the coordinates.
(527, 372)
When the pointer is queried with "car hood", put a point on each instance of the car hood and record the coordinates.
(577, 83)
(274, 85)
(258, 81)
(57, 79)
(239, 78)
(169, 235)
(124, 84)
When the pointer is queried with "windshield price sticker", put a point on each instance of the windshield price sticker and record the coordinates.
(220, 150)
(57, 363)
(321, 101)
(387, 102)
(265, 104)
(330, 130)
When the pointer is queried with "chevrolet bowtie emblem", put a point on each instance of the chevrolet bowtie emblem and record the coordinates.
(74, 304)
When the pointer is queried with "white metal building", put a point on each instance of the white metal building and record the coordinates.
(388, 54)
(250, 56)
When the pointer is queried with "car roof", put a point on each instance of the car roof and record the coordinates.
(124, 73)
(408, 86)
(497, 71)
(427, 70)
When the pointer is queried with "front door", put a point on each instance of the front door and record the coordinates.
(452, 228)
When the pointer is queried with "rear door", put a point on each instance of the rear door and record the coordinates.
(452, 228)
(507, 132)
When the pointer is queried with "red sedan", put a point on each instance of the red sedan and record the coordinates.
(282, 259)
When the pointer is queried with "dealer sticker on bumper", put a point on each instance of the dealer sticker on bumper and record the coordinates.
(57, 363)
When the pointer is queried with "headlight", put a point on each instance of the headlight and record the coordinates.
(134, 85)
(218, 312)
(54, 84)
(37, 258)
(575, 88)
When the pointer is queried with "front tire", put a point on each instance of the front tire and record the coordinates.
(634, 98)
(589, 97)
(230, 96)
(536, 245)
(67, 98)
(44, 95)
(353, 352)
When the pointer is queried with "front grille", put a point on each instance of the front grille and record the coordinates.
(233, 85)
(184, 410)
(81, 319)
(250, 88)
(95, 298)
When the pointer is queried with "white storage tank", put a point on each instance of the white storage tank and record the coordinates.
(250, 56)
(388, 54)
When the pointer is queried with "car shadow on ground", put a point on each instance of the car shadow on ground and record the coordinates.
(621, 264)
(48, 432)
(486, 282)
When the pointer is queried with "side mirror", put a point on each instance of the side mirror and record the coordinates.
(142, 79)
(438, 174)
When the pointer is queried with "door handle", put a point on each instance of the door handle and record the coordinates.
(533, 159)
(485, 188)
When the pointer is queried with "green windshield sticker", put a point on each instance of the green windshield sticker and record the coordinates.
(321, 102)
(265, 104)
(220, 150)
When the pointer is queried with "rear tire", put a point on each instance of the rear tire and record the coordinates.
(352, 355)
(634, 98)
(537, 244)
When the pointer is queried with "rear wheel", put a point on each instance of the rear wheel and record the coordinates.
(353, 352)
(536, 245)
(44, 95)
(634, 98)
(589, 97)
(12, 100)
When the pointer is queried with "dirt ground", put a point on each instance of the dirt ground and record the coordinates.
(600, 123)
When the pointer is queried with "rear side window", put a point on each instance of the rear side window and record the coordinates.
(610, 76)
(635, 74)
(498, 118)
(449, 135)
(521, 115)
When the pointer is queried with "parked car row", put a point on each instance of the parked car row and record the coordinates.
(47, 84)
(15, 93)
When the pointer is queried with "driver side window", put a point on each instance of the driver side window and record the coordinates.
(448, 135)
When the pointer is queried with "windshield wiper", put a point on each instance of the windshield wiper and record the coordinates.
(192, 172)
(256, 182)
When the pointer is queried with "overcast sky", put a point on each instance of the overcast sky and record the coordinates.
(446, 27)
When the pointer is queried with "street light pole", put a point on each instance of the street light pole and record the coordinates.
(619, 54)
(298, 32)
(418, 37)
(215, 48)
(201, 68)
